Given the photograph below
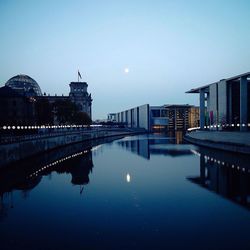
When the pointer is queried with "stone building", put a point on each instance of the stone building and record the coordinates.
(21, 92)
(16, 108)
(79, 95)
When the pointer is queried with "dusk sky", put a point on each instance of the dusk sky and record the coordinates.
(169, 47)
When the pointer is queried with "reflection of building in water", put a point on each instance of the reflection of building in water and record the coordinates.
(79, 168)
(226, 175)
(164, 146)
(79, 165)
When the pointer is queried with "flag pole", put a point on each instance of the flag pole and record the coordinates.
(78, 74)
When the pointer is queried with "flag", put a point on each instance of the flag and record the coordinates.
(79, 74)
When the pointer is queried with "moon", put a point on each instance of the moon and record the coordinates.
(126, 70)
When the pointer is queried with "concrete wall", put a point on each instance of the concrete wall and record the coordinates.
(212, 108)
(222, 102)
(137, 117)
(20, 150)
(144, 116)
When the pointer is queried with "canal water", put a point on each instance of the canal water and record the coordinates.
(139, 192)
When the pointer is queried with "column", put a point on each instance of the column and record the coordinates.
(202, 108)
(243, 103)
(230, 104)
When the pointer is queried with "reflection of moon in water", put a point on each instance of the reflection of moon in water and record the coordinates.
(128, 178)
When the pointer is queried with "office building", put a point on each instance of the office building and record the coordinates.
(159, 118)
(225, 104)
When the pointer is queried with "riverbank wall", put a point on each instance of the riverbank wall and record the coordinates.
(27, 147)
(238, 142)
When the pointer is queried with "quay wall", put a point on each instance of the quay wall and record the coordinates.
(15, 151)
(238, 142)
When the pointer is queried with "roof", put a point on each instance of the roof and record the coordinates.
(78, 83)
(25, 83)
(205, 87)
(178, 105)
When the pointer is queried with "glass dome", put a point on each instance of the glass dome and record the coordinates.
(24, 83)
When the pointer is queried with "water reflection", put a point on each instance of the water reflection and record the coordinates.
(157, 144)
(24, 176)
(79, 165)
(128, 178)
(226, 174)
(132, 203)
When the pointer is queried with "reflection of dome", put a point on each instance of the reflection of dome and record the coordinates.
(24, 83)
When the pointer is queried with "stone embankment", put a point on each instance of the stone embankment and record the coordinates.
(238, 142)
(22, 147)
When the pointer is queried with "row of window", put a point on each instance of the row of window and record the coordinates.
(78, 90)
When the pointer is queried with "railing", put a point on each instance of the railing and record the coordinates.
(223, 127)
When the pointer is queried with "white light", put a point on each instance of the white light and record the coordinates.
(128, 178)
(126, 70)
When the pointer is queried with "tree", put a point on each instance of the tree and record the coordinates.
(67, 113)
(81, 118)
(44, 113)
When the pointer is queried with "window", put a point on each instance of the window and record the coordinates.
(155, 113)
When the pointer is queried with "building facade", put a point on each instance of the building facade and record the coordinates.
(21, 92)
(225, 104)
(159, 118)
(16, 108)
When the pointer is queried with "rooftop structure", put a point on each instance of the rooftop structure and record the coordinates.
(24, 84)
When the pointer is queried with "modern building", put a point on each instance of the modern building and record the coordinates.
(225, 104)
(22, 90)
(182, 116)
(159, 118)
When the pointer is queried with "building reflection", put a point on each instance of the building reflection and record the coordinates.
(24, 176)
(78, 164)
(225, 174)
(161, 145)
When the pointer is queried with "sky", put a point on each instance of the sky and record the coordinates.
(167, 47)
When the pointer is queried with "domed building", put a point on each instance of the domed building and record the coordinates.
(24, 84)
(22, 102)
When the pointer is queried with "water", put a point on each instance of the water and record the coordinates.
(142, 192)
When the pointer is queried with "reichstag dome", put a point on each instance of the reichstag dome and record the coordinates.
(24, 83)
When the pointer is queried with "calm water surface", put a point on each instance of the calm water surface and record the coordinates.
(141, 192)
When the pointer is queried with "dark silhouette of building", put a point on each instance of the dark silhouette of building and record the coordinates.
(16, 107)
(21, 92)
